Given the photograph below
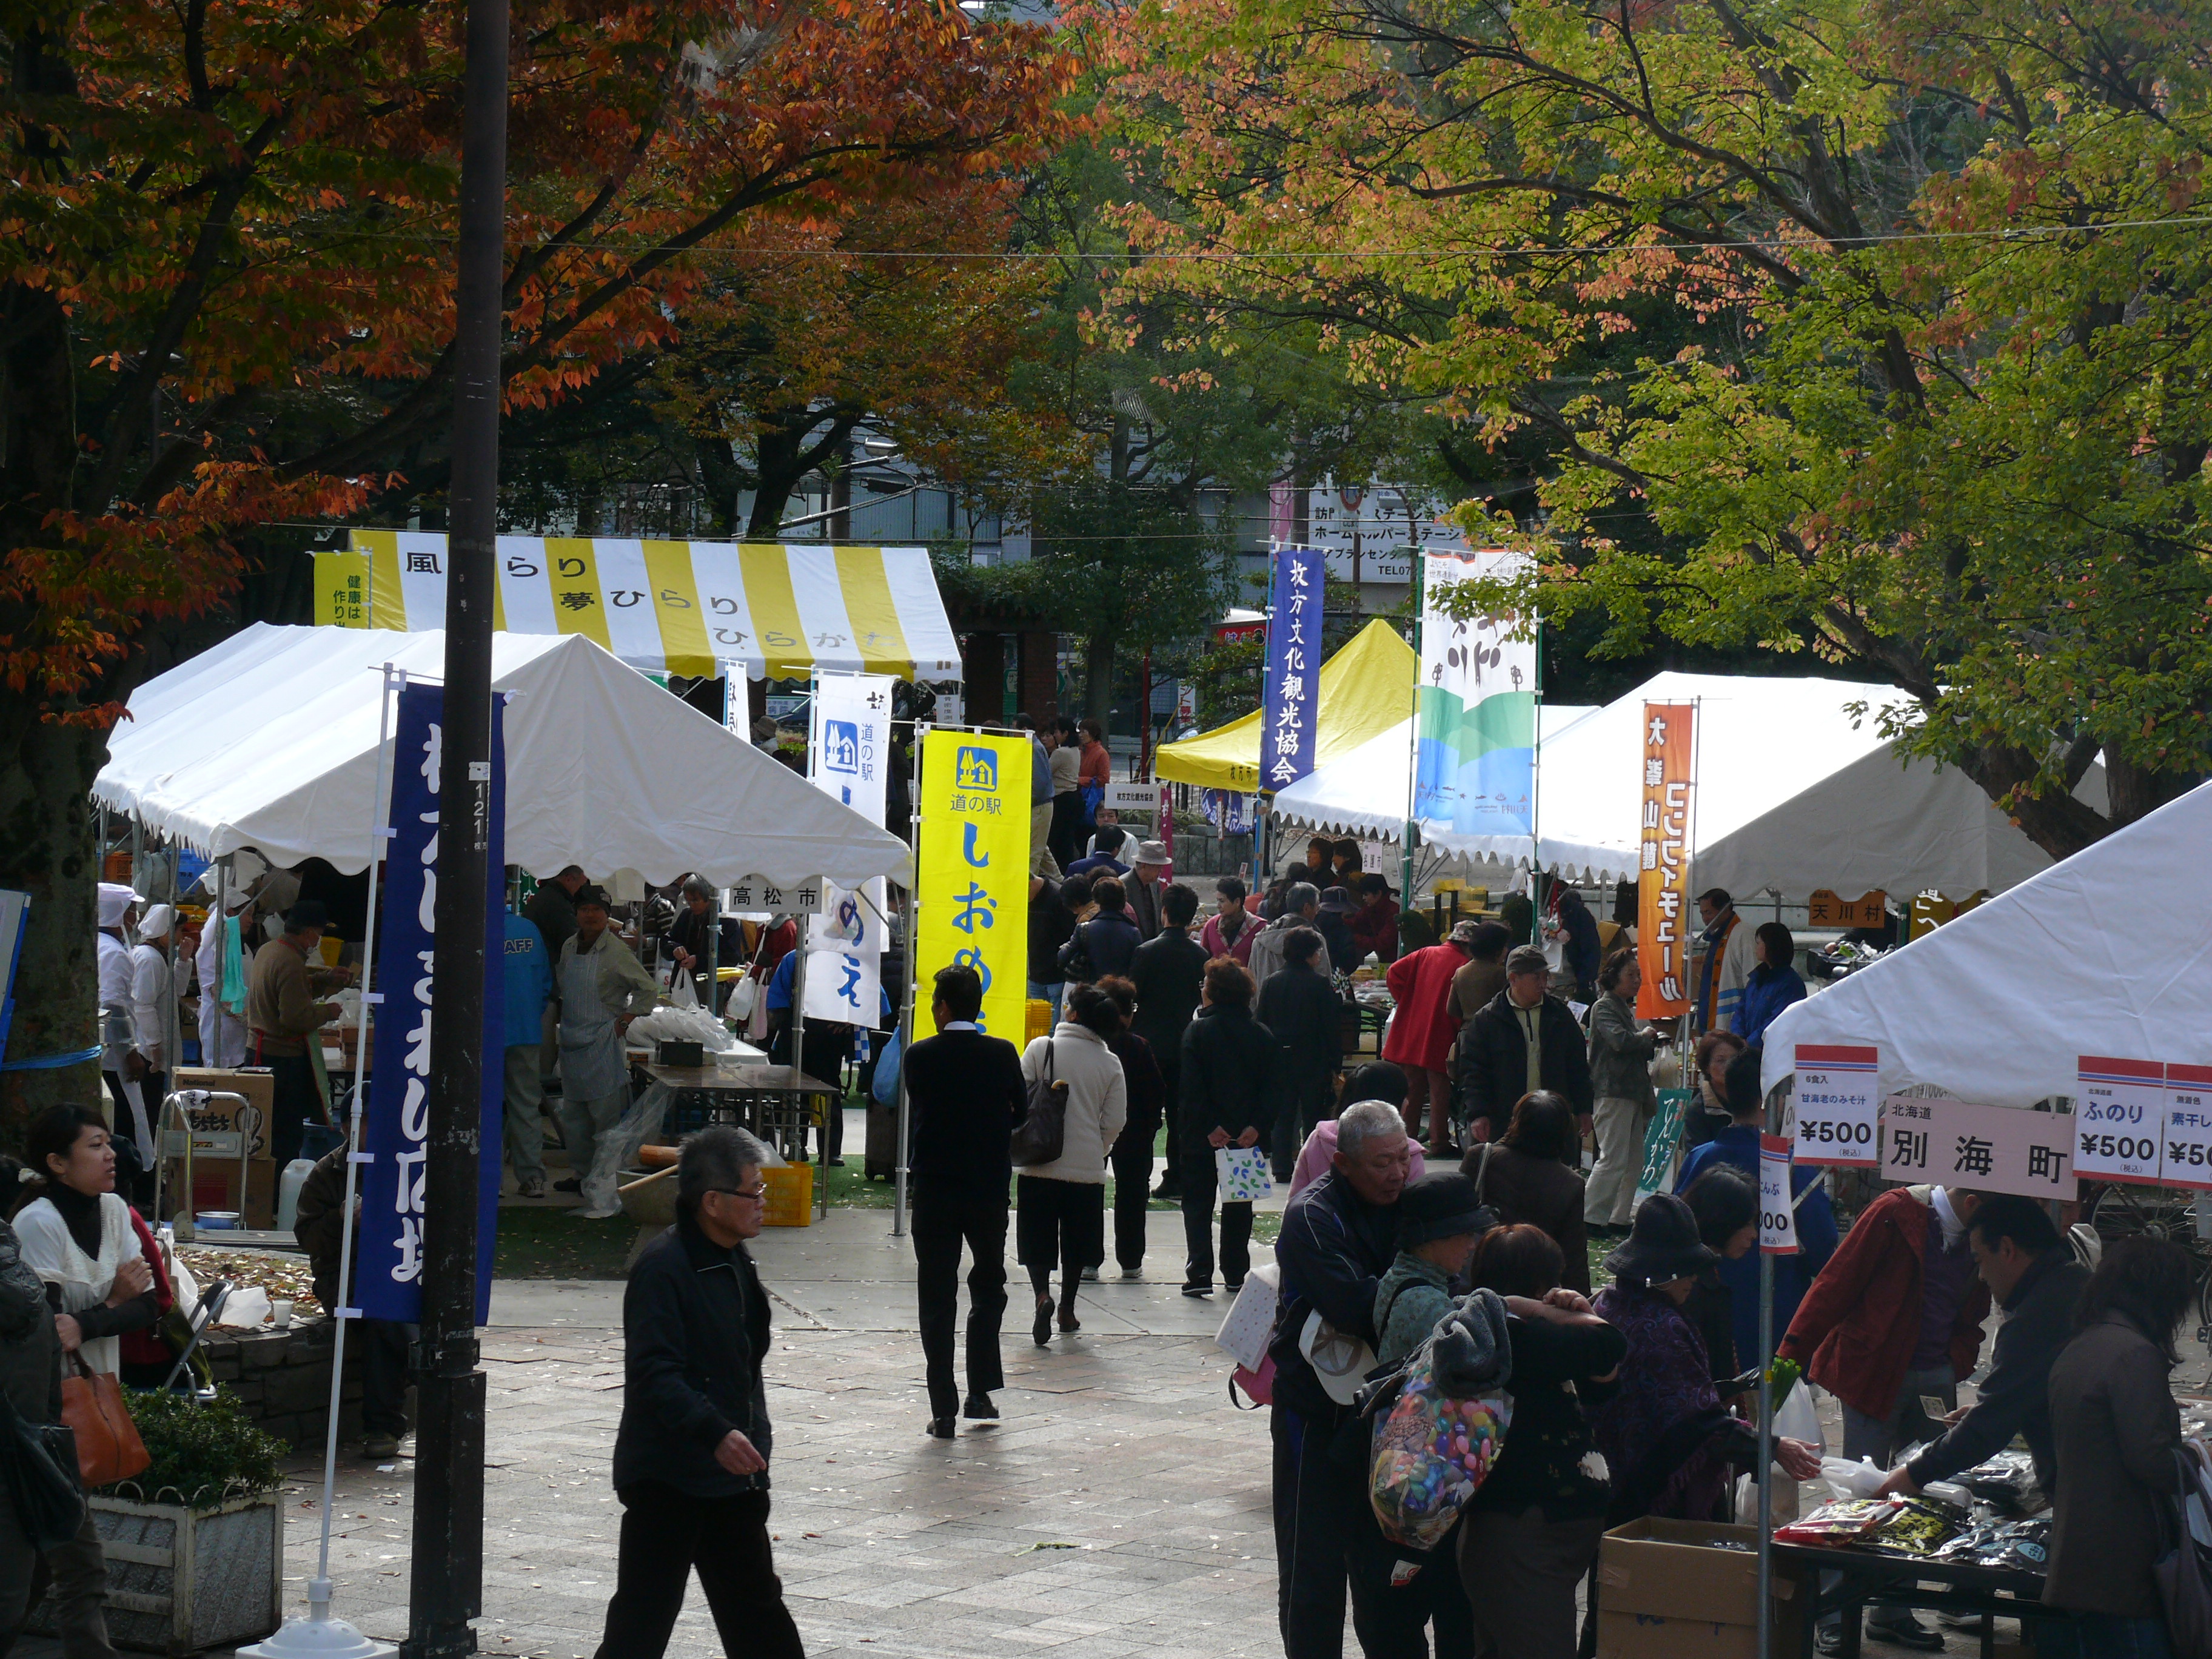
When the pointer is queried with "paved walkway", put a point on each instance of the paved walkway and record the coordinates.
(1121, 1507)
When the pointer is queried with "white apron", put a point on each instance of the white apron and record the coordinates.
(593, 1063)
(52, 1254)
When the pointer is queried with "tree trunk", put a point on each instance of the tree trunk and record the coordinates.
(1098, 678)
(49, 850)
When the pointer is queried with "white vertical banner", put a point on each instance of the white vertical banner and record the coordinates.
(848, 760)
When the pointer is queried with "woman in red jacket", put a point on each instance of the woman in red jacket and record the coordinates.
(1419, 1039)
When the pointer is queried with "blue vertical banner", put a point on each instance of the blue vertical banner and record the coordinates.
(1290, 711)
(387, 1279)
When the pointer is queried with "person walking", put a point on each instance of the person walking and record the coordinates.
(1230, 1079)
(1773, 983)
(1528, 1177)
(2116, 1437)
(1051, 924)
(1339, 1238)
(601, 989)
(692, 1451)
(1106, 943)
(964, 1095)
(283, 1017)
(1521, 1041)
(1169, 972)
(1230, 931)
(1131, 1155)
(320, 1225)
(529, 982)
(1147, 885)
(1302, 1010)
(1059, 1207)
(30, 1383)
(1423, 1028)
(1620, 1052)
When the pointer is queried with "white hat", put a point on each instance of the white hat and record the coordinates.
(115, 901)
(155, 921)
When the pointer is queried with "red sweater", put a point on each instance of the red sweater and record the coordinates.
(1856, 1327)
(1422, 1029)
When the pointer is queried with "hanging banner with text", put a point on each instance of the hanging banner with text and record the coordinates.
(847, 761)
(1838, 1104)
(1777, 1215)
(1985, 1149)
(972, 874)
(388, 1280)
(2119, 1119)
(2189, 1127)
(1474, 741)
(1290, 697)
(1664, 922)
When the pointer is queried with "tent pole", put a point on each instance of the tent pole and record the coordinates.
(1536, 800)
(1412, 743)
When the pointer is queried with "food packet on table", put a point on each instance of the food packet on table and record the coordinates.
(1920, 1527)
(1844, 1521)
(2022, 1545)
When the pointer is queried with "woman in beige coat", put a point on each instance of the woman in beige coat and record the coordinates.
(1059, 1207)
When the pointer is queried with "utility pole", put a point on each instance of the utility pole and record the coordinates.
(445, 1589)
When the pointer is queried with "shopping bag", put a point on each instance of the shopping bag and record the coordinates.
(682, 993)
(2182, 1572)
(108, 1448)
(1249, 1324)
(40, 1462)
(1432, 1453)
(1241, 1174)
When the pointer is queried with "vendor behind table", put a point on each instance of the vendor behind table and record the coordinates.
(601, 988)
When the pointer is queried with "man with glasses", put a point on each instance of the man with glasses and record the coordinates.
(691, 1455)
(1522, 1041)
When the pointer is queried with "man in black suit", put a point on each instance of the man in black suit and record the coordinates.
(966, 1094)
(1169, 970)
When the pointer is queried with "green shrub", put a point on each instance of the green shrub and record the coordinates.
(203, 1455)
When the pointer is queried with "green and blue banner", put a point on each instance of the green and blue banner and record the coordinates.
(1474, 760)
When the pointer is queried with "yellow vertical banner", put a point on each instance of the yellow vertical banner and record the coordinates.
(341, 589)
(972, 874)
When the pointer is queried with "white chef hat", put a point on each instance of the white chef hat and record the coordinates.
(115, 901)
(155, 921)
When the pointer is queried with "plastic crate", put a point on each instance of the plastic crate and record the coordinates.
(1040, 1020)
(790, 1200)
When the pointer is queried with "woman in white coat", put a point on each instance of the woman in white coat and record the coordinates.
(1059, 1207)
(77, 1237)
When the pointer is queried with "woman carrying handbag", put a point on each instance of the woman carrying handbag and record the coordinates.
(1060, 1204)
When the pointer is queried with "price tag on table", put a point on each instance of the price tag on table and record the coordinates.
(2189, 1126)
(1837, 1103)
(1777, 1216)
(2119, 1112)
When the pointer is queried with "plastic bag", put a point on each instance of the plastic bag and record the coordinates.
(1796, 1419)
(682, 993)
(246, 1309)
(1431, 1454)
(1847, 1479)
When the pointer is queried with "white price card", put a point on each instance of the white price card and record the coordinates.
(1838, 1104)
(2189, 1126)
(2119, 1112)
(1777, 1216)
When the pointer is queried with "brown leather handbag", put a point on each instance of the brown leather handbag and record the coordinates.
(108, 1448)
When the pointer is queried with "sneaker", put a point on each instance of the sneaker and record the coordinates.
(1828, 1638)
(1906, 1630)
(530, 1187)
(1136, 1272)
(1091, 1275)
(1232, 1286)
(379, 1445)
(1199, 1287)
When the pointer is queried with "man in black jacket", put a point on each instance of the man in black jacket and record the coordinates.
(1302, 1008)
(2031, 1275)
(1521, 1042)
(691, 1455)
(965, 1092)
(1168, 971)
(1339, 1235)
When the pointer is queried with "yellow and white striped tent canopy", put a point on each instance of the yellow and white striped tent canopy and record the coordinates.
(776, 611)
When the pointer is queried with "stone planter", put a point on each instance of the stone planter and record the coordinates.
(180, 1581)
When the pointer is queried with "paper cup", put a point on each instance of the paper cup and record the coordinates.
(280, 1313)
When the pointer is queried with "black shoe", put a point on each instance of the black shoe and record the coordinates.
(1907, 1631)
(571, 1185)
(1232, 1286)
(836, 1163)
(1167, 1190)
(1040, 1329)
(941, 1428)
(979, 1405)
(1199, 1287)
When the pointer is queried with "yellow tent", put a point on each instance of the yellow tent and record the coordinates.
(1366, 689)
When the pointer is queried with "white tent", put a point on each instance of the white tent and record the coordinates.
(269, 741)
(1366, 792)
(2108, 953)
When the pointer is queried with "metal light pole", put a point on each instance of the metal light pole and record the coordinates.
(445, 1589)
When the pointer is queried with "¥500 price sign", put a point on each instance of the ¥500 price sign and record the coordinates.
(1838, 1104)
(2119, 1119)
(2189, 1126)
(1777, 1214)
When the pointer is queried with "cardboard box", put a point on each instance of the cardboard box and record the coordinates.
(215, 1187)
(1665, 1590)
(216, 1126)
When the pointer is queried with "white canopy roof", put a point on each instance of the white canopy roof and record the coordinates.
(2108, 953)
(269, 741)
(1365, 791)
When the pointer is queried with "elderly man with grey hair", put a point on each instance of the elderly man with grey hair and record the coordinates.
(1301, 907)
(691, 1455)
(1339, 1237)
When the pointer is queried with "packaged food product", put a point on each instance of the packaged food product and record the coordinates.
(1920, 1527)
(1844, 1521)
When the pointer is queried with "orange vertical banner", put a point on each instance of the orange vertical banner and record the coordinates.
(1664, 918)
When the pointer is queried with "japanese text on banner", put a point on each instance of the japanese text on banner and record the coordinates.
(1777, 1216)
(972, 871)
(849, 758)
(2119, 1117)
(1838, 1104)
(388, 1282)
(1988, 1149)
(2189, 1126)
(1292, 692)
(1664, 923)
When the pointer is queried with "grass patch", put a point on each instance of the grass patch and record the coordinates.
(534, 1243)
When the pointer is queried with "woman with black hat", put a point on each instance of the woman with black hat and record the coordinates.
(1669, 1445)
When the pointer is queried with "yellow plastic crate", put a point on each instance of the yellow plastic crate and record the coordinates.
(790, 1196)
(1040, 1020)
